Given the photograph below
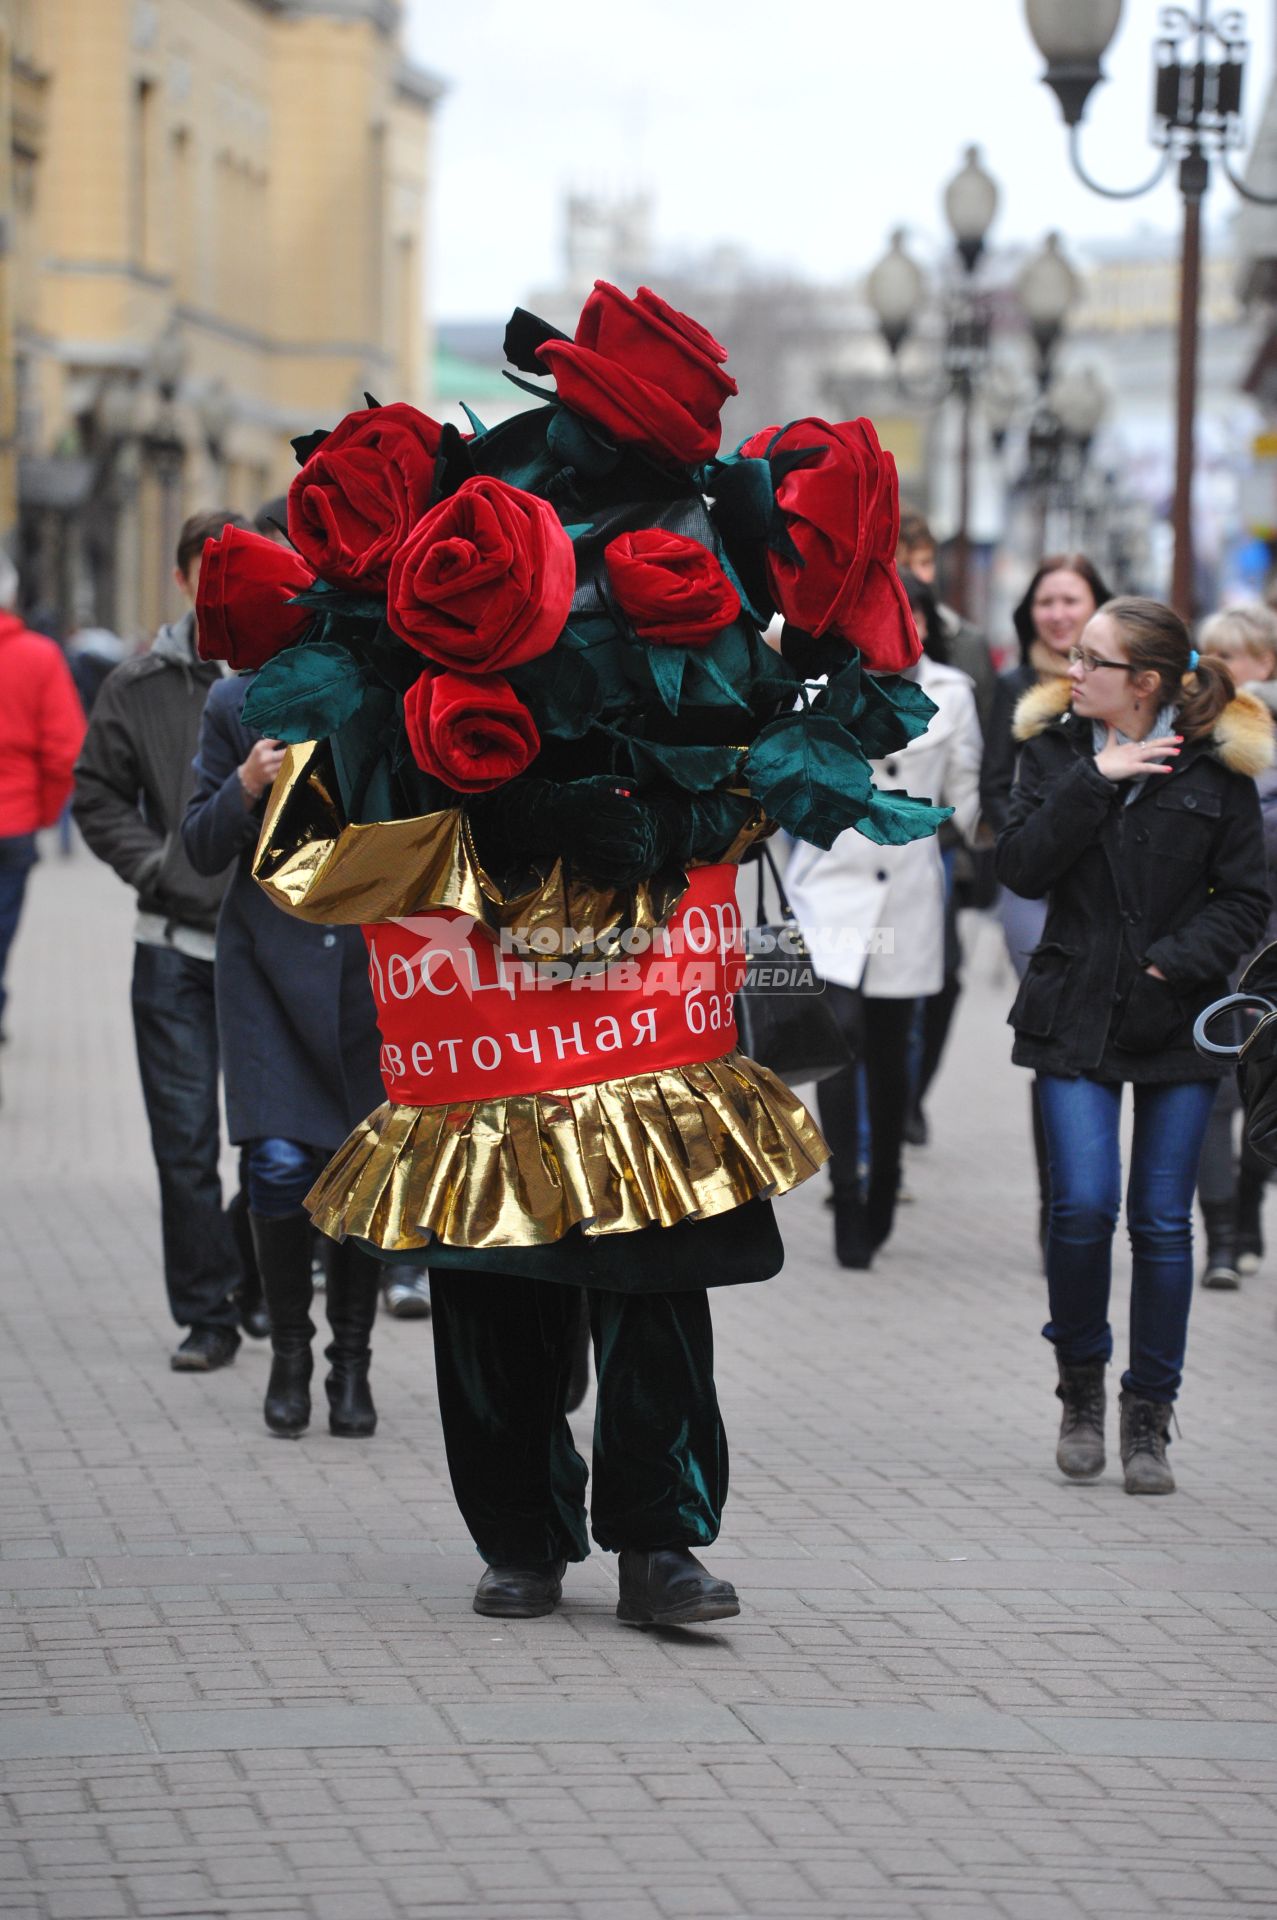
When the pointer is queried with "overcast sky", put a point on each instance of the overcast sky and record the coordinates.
(801, 129)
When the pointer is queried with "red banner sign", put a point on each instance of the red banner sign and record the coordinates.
(461, 1018)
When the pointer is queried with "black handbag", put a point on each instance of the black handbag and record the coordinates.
(1253, 1046)
(783, 1017)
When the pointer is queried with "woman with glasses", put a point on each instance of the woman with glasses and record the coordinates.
(1066, 589)
(1135, 814)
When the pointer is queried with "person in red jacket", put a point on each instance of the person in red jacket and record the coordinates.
(41, 728)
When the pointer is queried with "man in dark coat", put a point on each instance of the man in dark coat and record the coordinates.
(300, 1050)
(132, 782)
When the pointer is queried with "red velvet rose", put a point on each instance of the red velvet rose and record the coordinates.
(471, 731)
(353, 502)
(242, 611)
(646, 374)
(672, 588)
(842, 512)
(485, 580)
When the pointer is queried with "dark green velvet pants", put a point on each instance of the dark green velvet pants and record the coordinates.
(503, 1356)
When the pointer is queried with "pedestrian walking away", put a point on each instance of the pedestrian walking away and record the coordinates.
(299, 1053)
(1135, 815)
(132, 783)
(537, 820)
(41, 728)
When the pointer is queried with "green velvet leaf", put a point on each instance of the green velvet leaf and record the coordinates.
(842, 694)
(895, 712)
(561, 690)
(359, 748)
(696, 769)
(389, 657)
(744, 497)
(305, 693)
(702, 667)
(524, 333)
(894, 819)
(573, 444)
(339, 602)
(476, 424)
(668, 665)
(808, 774)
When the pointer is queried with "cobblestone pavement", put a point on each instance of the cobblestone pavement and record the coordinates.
(242, 1677)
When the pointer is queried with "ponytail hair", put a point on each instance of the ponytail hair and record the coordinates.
(1157, 641)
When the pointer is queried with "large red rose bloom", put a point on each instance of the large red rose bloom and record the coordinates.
(672, 588)
(645, 373)
(485, 580)
(352, 504)
(471, 731)
(842, 512)
(242, 610)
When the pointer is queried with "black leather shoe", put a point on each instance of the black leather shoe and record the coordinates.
(670, 1588)
(205, 1349)
(520, 1593)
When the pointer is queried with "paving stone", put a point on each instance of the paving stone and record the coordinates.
(244, 1679)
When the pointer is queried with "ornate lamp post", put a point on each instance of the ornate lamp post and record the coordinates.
(1047, 287)
(1199, 64)
(897, 290)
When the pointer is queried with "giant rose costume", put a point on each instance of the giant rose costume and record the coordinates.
(535, 724)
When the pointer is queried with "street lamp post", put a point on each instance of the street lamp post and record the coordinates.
(1047, 287)
(1199, 64)
(896, 290)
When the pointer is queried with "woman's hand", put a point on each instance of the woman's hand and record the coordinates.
(1137, 757)
(257, 773)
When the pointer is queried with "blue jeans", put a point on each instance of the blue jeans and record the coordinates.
(175, 1027)
(278, 1174)
(1081, 1121)
(17, 857)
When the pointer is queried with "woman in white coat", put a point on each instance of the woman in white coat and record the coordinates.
(873, 918)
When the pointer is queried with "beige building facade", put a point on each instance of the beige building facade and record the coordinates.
(212, 215)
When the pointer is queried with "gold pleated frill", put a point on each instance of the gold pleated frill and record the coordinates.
(683, 1143)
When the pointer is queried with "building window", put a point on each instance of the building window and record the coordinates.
(144, 207)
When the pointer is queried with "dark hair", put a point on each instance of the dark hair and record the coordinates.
(935, 640)
(1056, 563)
(915, 531)
(1157, 641)
(271, 517)
(199, 528)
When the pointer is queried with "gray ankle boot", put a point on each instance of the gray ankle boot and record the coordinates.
(1080, 1453)
(1146, 1430)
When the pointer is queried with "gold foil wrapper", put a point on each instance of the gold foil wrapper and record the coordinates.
(681, 1144)
(315, 865)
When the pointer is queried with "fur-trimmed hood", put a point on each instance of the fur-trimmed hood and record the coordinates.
(1243, 739)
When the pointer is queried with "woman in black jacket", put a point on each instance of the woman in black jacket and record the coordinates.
(1135, 811)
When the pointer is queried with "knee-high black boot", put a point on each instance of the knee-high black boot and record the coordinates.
(283, 1260)
(354, 1282)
